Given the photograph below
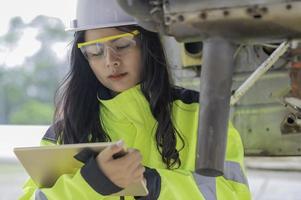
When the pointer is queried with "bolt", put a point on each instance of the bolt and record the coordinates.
(226, 12)
(181, 18)
(249, 10)
(264, 9)
(167, 19)
(203, 15)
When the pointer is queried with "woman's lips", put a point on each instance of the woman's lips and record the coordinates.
(117, 76)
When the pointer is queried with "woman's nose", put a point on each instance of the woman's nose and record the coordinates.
(112, 58)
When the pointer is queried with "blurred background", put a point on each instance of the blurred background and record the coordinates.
(33, 47)
(33, 61)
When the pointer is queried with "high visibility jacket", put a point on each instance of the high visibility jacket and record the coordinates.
(127, 116)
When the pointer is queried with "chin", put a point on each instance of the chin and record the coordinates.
(121, 88)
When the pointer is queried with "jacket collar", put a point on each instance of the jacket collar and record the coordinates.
(130, 104)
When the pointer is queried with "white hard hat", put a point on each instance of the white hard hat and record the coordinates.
(92, 14)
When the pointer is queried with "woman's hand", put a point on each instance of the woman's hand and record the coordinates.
(124, 170)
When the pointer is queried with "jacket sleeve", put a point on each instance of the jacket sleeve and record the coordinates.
(88, 182)
(183, 184)
(68, 186)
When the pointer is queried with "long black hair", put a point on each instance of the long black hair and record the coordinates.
(77, 119)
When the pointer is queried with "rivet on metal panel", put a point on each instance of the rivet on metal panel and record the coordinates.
(264, 9)
(203, 15)
(167, 19)
(256, 12)
(226, 13)
(181, 18)
(249, 10)
(257, 16)
(290, 119)
(166, 2)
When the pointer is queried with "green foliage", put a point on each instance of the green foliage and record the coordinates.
(50, 29)
(27, 91)
(14, 33)
(33, 112)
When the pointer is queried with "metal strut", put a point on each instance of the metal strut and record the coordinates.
(216, 81)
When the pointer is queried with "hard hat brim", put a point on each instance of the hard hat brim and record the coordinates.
(89, 27)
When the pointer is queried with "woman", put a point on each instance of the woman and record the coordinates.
(118, 89)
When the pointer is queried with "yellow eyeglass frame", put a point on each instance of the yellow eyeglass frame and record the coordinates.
(105, 39)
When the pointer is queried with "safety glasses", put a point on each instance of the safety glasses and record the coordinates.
(119, 44)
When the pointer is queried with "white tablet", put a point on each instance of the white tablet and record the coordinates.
(45, 164)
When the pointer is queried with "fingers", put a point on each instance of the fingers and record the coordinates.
(139, 171)
(107, 153)
(131, 159)
(124, 170)
(138, 174)
(131, 163)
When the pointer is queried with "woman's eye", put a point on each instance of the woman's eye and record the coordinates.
(124, 46)
(96, 54)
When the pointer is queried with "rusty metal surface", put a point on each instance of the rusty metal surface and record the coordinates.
(244, 22)
(295, 73)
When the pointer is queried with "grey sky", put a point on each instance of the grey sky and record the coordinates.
(28, 10)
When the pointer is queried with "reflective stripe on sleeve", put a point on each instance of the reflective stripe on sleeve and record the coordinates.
(234, 172)
(207, 185)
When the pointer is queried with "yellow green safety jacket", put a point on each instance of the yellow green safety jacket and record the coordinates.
(127, 116)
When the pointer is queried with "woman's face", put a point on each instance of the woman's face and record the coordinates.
(116, 71)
